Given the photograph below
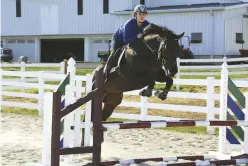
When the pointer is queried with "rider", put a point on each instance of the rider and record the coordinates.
(127, 33)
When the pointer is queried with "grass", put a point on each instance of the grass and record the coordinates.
(168, 113)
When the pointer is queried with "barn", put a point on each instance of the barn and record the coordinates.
(50, 30)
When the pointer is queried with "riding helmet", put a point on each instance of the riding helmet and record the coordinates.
(140, 8)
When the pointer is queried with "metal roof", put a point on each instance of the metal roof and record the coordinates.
(193, 7)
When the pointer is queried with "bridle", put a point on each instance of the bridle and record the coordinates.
(154, 52)
(161, 48)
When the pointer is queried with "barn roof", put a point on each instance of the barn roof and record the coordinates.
(193, 7)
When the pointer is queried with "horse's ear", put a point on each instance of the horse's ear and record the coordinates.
(178, 36)
(146, 29)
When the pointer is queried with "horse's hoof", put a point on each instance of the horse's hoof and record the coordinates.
(161, 94)
(146, 93)
(142, 92)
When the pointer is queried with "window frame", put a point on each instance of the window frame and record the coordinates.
(196, 40)
(239, 38)
(18, 8)
(80, 7)
(105, 6)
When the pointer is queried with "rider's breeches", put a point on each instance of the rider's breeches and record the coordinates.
(115, 45)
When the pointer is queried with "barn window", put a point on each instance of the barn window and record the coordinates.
(11, 41)
(196, 37)
(97, 41)
(142, 2)
(105, 6)
(30, 41)
(239, 38)
(20, 41)
(18, 8)
(80, 7)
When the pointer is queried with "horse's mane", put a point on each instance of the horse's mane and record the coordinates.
(153, 28)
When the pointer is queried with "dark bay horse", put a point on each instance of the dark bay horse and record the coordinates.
(145, 61)
(142, 65)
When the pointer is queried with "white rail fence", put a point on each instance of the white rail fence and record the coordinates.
(41, 86)
(23, 66)
(194, 69)
(15, 84)
(27, 78)
(211, 67)
(210, 96)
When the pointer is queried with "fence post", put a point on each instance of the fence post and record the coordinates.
(41, 93)
(77, 120)
(223, 107)
(143, 108)
(72, 70)
(224, 60)
(68, 122)
(1, 90)
(23, 65)
(87, 114)
(245, 150)
(63, 67)
(210, 103)
(47, 129)
(178, 73)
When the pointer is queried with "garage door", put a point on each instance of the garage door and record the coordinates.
(98, 45)
(22, 47)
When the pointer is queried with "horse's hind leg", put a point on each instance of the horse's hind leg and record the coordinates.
(111, 101)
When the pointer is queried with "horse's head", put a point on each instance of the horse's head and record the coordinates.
(165, 42)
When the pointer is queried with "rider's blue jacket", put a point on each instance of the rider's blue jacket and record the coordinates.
(129, 31)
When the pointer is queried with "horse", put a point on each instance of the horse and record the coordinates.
(145, 61)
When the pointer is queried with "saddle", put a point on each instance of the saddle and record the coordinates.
(123, 53)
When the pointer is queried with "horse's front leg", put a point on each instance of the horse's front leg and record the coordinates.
(148, 91)
(163, 94)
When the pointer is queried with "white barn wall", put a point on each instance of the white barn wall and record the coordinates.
(93, 21)
(218, 44)
(119, 5)
(156, 3)
(28, 24)
(212, 1)
(233, 26)
(245, 46)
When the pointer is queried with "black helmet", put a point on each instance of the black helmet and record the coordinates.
(140, 9)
